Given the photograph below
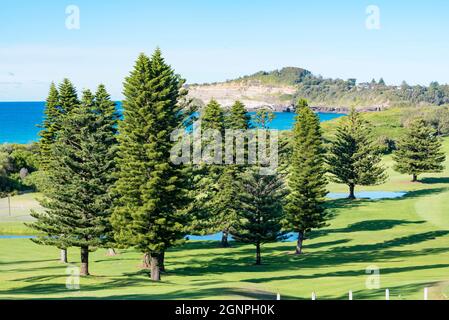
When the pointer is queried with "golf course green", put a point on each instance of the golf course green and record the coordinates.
(406, 239)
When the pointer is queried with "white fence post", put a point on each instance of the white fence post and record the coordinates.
(387, 294)
(350, 294)
(313, 296)
(426, 294)
(278, 297)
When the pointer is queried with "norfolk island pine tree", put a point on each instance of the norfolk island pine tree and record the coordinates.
(258, 206)
(48, 135)
(58, 105)
(419, 151)
(306, 180)
(84, 152)
(354, 159)
(212, 196)
(151, 198)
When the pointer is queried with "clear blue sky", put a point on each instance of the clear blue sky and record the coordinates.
(217, 40)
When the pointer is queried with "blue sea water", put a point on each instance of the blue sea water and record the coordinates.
(19, 121)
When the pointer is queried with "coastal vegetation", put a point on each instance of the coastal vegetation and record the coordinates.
(109, 182)
(322, 91)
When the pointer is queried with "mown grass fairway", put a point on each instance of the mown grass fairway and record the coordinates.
(406, 238)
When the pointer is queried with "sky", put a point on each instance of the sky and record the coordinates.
(210, 40)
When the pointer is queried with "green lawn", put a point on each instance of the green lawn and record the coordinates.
(406, 238)
(16, 212)
(386, 123)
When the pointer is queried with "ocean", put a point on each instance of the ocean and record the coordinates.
(19, 121)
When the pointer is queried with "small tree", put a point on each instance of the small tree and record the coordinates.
(419, 151)
(263, 118)
(306, 178)
(238, 118)
(354, 157)
(212, 116)
(259, 210)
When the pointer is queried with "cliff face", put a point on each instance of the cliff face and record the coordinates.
(278, 90)
(254, 96)
(278, 98)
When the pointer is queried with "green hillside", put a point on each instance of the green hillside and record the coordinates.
(287, 76)
(327, 92)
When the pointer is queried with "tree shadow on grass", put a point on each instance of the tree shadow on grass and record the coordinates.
(240, 259)
(325, 244)
(275, 259)
(369, 225)
(193, 294)
(373, 225)
(348, 273)
(27, 261)
(420, 193)
(138, 279)
(51, 267)
(435, 180)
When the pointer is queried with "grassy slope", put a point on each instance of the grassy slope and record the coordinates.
(406, 238)
(385, 123)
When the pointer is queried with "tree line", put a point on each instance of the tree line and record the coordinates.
(109, 182)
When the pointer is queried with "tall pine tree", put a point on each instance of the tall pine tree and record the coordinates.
(51, 222)
(50, 127)
(306, 179)
(259, 209)
(150, 189)
(78, 203)
(354, 158)
(105, 144)
(419, 151)
(208, 177)
(216, 192)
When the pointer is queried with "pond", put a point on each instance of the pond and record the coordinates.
(370, 195)
(16, 237)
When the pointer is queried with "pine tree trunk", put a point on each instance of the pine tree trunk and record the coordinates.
(224, 239)
(146, 261)
(415, 178)
(351, 191)
(111, 252)
(63, 256)
(155, 266)
(299, 242)
(84, 261)
(258, 257)
(162, 262)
